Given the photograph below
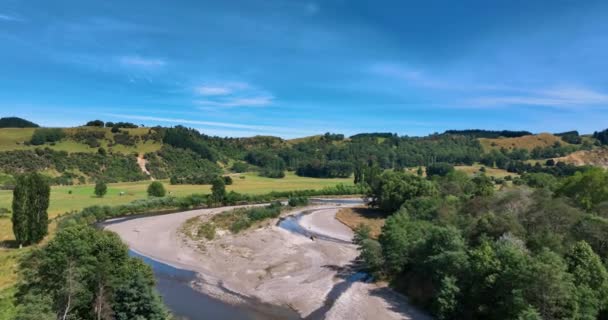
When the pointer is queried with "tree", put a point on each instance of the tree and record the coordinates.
(218, 190)
(590, 278)
(95, 123)
(394, 188)
(587, 189)
(101, 188)
(30, 204)
(135, 299)
(85, 273)
(156, 189)
(439, 169)
(483, 185)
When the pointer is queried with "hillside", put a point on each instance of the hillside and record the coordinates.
(124, 152)
(596, 157)
(528, 142)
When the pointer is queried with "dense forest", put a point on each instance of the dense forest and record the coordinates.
(464, 249)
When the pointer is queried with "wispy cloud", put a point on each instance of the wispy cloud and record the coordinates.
(232, 94)
(259, 129)
(560, 97)
(261, 101)
(142, 62)
(10, 18)
(415, 77)
(213, 91)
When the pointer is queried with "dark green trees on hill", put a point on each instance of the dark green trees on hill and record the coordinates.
(14, 122)
(30, 204)
(44, 135)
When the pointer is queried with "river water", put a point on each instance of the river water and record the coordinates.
(186, 303)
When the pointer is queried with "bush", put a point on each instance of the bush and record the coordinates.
(207, 230)
(439, 169)
(156, 189)
(43, 135)
(298, 201)
(227, 180)
(240, 167)
(101, 189)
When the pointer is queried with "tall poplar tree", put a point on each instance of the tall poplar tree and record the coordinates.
(30, 204)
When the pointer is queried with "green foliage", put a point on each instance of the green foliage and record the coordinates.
(44, 135)
(136, 299)
(227, 180)
(394, 188)
(156, 189)
(601, 136)
(101, 189)
(467, 252)
(110, 167)
(330, 169)
(439, 169)
(183, 166)
(95, 123)
(85, 273)
(14, 122)
(207, 230)
(540, 180)
(362, 232)
(297, 201)
(587, 189)
(483, 185)
(218, 190)
(239, 167)
(30, 204)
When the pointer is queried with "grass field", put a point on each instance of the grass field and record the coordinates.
(525, 142)
(81, 196)
(492, 172)
(15, 138)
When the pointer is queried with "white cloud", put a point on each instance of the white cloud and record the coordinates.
(249, 129)
(261, 101)
(213, 91)
(555, 97)
(11, 18)
(141, 62)
(232, 94)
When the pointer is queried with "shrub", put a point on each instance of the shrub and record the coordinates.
(156, 189)
(297, 201)
(207, 230)
(43, 135)
(227, 180)
(100, 189)
(240, 167)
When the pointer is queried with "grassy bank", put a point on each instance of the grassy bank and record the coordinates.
(74, 198)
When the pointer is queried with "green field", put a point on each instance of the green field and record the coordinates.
(15, 139)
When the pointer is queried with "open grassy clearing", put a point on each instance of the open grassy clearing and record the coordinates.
(525, 142)
(492, 172)
(15, 139)
(354, 217)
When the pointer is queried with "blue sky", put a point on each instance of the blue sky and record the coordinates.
(298, 68)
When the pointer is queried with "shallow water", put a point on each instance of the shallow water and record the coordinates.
(292, 224)
(173, 284)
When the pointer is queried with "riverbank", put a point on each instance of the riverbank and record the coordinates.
(269, 265)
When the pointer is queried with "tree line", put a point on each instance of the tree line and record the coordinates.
(465, 248)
